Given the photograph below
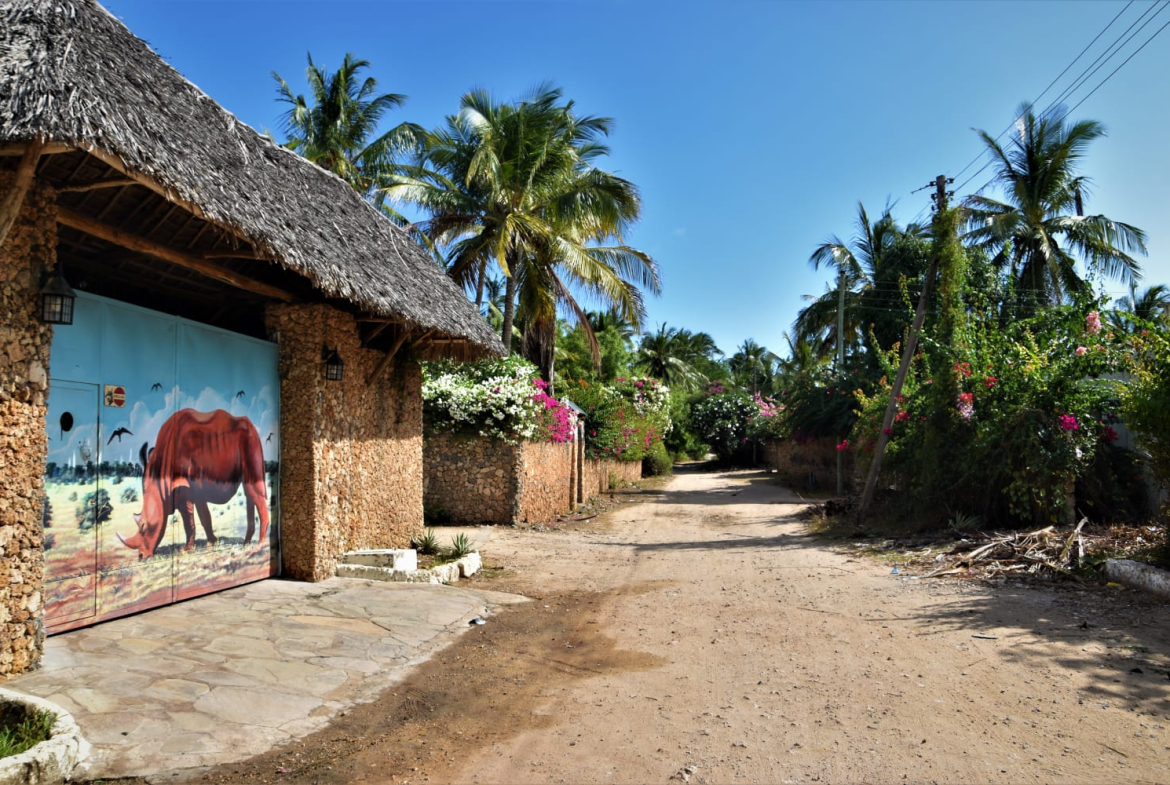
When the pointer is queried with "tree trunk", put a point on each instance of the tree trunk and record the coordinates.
(479, 286)
(509, 306)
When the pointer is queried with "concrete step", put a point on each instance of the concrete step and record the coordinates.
(387, 575)
(390, 558)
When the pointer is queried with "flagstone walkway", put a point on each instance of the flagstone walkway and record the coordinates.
(223, 677)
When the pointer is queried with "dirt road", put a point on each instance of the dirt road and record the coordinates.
(702, 635)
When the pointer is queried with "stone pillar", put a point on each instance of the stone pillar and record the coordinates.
(574, 472)
(28, 252)
(580, 463)
(351, 452)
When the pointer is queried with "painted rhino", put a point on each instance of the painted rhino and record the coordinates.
(200, 458)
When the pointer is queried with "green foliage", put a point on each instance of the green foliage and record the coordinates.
(129, 495)
(1006, 422)
(27, 733)
(94, 509)
(624, 420)
(682, 442)
(460, 546)
(657, 461)
(722, 419)
(1146, 399)
(426, 543)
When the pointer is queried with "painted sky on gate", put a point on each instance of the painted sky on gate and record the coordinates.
(752, 128)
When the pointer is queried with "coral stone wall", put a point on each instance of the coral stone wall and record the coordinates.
(597, 475)
(351, 453)
(806, 465)
(474, 481)
(469, 480)
(29, 250)
(547, 484)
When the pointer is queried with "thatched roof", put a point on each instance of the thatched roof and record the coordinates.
(71, 73)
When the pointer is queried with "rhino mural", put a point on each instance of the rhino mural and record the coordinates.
(199, 459)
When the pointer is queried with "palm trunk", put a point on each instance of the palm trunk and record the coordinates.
(479, 286)
(552, 363)
(509, 306)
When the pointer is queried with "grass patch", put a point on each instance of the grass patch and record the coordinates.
(26, 734)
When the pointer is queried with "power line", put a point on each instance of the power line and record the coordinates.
(1050, 84)
(1095, 89)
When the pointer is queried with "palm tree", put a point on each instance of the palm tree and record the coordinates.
(337, 127)
(870, 268)
(1034, 234)
(753, 366)
(675, 356)
(1152, 305)
(514, 185)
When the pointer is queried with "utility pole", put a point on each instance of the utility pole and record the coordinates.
(940, 202)
(840, 366)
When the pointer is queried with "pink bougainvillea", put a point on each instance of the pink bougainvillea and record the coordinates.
(1093, 322)
(1068, 421)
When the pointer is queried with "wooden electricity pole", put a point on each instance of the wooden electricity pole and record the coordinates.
(940, 201)
(840, 367)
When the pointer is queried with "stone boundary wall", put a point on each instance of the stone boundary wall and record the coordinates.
(795, 462)
(473, 481)
(469, 480)
(596, 475)
(351, 453)
(547, 480)
(28, 252)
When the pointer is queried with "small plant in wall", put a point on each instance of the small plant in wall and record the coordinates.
(18, 736)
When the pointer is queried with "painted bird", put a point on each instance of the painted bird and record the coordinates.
(118, 435)
(240, 394)
(157, 386)
(270, 435)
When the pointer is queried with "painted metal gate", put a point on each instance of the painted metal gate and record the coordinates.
(162, 472)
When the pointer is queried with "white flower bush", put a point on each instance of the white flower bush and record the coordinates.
(496, 399)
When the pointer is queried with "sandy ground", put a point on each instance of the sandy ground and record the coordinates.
(702, 635)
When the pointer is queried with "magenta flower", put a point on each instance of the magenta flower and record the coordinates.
(1068, 422)
(843, 446)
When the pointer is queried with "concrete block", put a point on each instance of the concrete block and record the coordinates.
(1137, 575)
(391, 558)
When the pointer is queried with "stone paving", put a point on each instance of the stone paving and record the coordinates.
(223, 677)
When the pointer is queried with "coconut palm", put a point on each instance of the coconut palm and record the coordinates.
(337, 126)
(1152, 305)
(676, 356)
(514, 185)
(1039, 230)
(753, 366)
(871, 267)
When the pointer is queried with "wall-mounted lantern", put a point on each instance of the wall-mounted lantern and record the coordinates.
(57, 300)
(334, 367)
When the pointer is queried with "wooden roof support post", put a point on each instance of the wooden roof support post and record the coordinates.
(14, 199)
(386, 360)
(110, 234)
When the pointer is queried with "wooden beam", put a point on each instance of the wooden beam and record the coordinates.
(110, 234)
(378, 320)
(18, 148)
(374, 333)
(93, 185)
(385, 361)
(25, 170)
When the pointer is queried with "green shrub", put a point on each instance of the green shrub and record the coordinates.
(460, 546)
(657, 461)
(26, 734)
(426, 543)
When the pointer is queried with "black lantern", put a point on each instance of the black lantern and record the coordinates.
(57, 300)
(334, 367)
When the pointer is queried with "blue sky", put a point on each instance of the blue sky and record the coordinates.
(752, 128)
